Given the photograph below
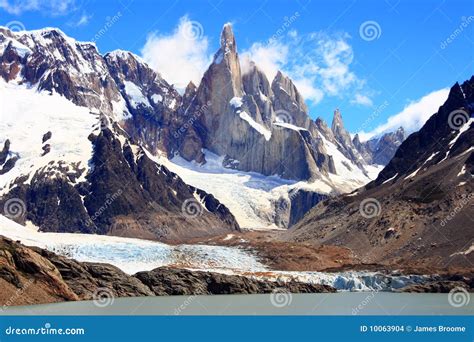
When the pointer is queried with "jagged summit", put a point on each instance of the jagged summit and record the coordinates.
(228, 38)
(337, 123)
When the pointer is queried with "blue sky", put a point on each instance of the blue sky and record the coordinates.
(372, 59)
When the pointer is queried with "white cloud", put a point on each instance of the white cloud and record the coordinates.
(413, 116)
(83, 20)
(318, 63)
(269, 57)
(53, 7)
(181, 56)
(362, 100)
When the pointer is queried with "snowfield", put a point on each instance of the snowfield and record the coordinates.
(26, 115)
(250, 196)
(135, 255)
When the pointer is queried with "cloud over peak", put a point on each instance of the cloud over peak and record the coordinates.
(180, 56)
(319, 64)
(412, 117)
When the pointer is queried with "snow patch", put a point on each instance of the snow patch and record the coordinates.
(258, 127)
(26, 115)
(135, 95)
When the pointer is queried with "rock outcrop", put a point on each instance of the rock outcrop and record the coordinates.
(125, 193)
(33, 276)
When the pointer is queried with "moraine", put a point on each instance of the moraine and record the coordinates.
(135, 255)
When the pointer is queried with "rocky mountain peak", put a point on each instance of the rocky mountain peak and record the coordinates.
(356, 139)
(287, 99)
(337, 122)
(400, 133)
(228, 39)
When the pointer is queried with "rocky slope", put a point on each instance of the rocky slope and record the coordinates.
(32, 276)
(419, 209)
(124, 193)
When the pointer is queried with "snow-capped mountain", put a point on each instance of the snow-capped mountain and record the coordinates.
(419, 208)
(380, 150)
(65, 107)
(67, 169)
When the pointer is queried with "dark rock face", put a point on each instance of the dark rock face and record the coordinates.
(7, 161)
(125, 194)
(168, 281)
(301, 202)
(256, 125)
(150, 121)
(343, 139)
(434, 138)
(441, 286)
(420, 200)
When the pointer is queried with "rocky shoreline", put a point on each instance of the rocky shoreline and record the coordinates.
(34, 275)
